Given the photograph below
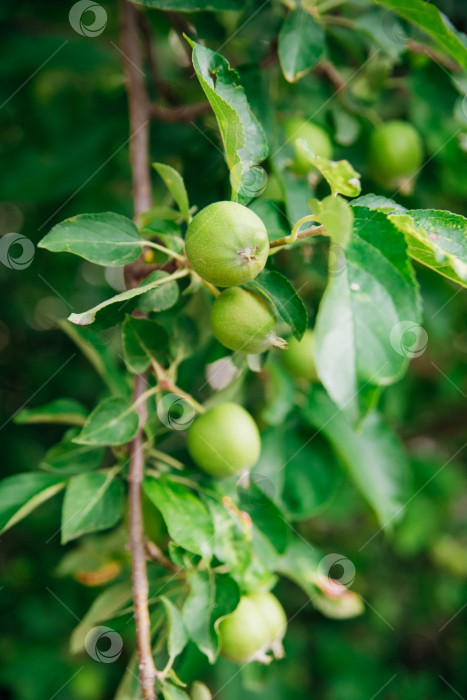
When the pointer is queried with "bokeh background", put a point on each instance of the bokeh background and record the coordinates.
(64, 150)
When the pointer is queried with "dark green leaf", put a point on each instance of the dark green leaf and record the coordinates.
(371, 294)
(277, 288)
(301, 44)
(92, 502)
(265, 514)
(175, 184)
(65, 411)
(22, 493)
(113, 422)
(105, 606)
(142, 340)
(106, 239)
(67, 458)
(216, 597)
(160, 298)
(187, 519)
(373, 456)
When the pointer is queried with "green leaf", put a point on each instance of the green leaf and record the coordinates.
(20, 494)
(336, 215)
(160, 298)
(430, 20)
(92, 502)
(242, 135)
(377, 201)
(113, 422)
(340, 175)
(301, 44)
(277, 288)
(142, 341)
(192, 5)
(437, 239)
(67, 459)
(178, 637)
(311, 474)
(216, 598)
(105, 606)
(375, 460)
(100, 357)
(65, 411)
(112, 311)
(187, 519)
(173, 692)
(265, 514)
(106, 239)
(371, 293)
(175, 184)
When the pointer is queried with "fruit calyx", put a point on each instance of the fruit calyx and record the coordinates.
(276, 341)
(247, 255)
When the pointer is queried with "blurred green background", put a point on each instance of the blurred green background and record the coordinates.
(64, 150)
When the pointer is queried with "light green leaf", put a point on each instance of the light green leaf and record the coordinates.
(378, 202)
(113, 422)
(106, 239)
(67, 459)
(107, 605)
(178, 637)
(430, 20)
(340, 175)
(65, 411)
(92, 502)
(437, 239)
(216, 597)
(142, 341)
(173, 692)
(192, 5)
(111, 311)
(242, 135)
(371, 293)
(187, 519)
(277, 288)
(336, 215)
(375, 460)
(301, 44)
(175, 184)
(162, 297)
(20, 494)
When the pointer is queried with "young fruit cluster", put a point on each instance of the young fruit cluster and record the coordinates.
(256, 626)
(227, 245)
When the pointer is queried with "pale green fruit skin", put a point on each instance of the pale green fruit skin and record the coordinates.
(214, 241)
(224, 441)
(299, 356)
(244, 632)
(199, 691)
(242, 321)
(274, 614)
(317, 139)
(395, 153)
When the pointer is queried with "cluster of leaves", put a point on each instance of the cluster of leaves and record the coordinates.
(371, 289)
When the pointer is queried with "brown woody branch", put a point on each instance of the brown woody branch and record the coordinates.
(181, 113)
(139, 110)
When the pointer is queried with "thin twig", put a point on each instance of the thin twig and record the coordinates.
(434, 55)
(154, 553)
(182, 113)
(306, 233)
(139, 159)
(162, 87)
